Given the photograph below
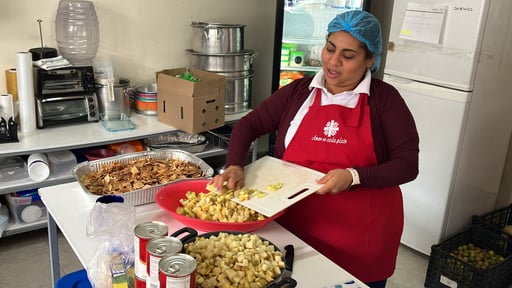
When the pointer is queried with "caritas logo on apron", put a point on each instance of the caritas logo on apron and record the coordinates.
(330, 130)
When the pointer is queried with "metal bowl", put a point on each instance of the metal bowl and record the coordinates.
(146, 89)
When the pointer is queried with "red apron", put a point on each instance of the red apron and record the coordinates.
(359, 229)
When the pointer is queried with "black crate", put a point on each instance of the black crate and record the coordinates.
(219, 136)
(496, 221)
(447, 271)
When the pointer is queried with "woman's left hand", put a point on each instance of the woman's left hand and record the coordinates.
(335, 181)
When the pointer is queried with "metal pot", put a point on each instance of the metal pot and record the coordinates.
(116, 101)
(217, 38)
(191, 235)
(225, 62)
(238, 91)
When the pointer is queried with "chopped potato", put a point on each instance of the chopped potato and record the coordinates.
(218, 207)
(235, 260)
(274, 187)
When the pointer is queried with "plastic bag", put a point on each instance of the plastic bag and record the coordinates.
(113, 260)
(111, 265)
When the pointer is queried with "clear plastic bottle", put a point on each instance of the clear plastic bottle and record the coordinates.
(77, 31)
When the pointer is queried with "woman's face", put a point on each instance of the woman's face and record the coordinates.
(344, 62)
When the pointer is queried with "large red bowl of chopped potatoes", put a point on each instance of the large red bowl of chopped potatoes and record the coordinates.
(191, 203)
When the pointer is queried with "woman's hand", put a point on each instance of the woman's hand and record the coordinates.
(335, 181)
(233, 177)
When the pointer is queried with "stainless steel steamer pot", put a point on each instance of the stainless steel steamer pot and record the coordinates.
(238, 91)
(223, 62)
(217, 37)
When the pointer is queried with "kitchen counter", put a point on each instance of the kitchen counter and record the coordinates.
(69, 206)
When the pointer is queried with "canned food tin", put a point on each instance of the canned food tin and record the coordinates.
(140, 282)
(177, 271)
(142, 234)
(157, 249)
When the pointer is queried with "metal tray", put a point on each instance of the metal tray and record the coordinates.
(193, 143)
(145, 195)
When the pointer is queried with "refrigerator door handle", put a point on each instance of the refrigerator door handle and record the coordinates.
(398, 79)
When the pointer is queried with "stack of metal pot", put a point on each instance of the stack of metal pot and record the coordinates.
(219, 48)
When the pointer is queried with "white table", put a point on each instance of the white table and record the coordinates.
(69, 207)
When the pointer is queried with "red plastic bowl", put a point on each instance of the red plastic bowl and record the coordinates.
(168, 198)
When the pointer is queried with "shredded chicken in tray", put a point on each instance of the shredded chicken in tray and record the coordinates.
(117, 178)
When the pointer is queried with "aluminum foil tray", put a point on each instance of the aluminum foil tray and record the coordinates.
(145, 195)
(193, 143)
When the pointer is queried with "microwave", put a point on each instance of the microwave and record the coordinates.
(66, 109)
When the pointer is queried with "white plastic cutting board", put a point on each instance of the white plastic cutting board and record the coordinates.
(269, 170)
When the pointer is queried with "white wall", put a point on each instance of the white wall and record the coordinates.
(144, 36)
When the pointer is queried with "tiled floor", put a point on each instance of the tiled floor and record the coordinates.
(25, 262)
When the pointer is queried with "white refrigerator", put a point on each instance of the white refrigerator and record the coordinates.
(451, 61)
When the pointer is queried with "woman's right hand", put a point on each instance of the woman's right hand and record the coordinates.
(232, 178)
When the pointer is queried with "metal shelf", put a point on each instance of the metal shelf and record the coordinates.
(14, 228)
(301, 68)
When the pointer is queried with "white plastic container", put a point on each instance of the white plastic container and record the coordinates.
(26, 209)
(61, 163)
(38, 167)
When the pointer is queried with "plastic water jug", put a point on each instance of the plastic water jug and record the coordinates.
(77, 31)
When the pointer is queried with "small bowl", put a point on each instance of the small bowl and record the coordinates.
(99, 153)
(146, 106)
(148, 89)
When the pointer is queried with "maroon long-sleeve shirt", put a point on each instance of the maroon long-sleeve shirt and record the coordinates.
(395, 136)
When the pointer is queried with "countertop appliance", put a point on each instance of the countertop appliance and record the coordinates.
(451, 61)
(65, 95)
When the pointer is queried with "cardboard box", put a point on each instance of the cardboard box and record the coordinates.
(191, 106)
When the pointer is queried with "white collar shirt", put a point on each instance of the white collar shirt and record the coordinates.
(346, 98)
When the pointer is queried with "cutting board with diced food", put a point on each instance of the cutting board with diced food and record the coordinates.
(279, 184)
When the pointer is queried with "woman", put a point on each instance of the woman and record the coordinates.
(356, 129)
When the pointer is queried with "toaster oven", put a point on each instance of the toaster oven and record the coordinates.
(67, 109)
(65, 95)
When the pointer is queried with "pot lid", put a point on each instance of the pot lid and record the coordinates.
(238, 53)
(215, 25)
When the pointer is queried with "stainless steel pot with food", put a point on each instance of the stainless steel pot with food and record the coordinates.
(222, 62)
(217, 37)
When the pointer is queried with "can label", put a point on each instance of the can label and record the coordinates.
(177, 271)
(139, 282)
(156, 249)
(142, 234)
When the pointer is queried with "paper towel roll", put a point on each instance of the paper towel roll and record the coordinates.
(11, 83)
(26, 97)
(6, 106)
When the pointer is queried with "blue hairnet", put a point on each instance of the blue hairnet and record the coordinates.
(364, 27)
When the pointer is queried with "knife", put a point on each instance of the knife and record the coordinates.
(286, 280)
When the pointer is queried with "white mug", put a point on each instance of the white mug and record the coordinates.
(38, 168)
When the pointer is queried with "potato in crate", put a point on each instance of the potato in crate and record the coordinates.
(474, 258)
